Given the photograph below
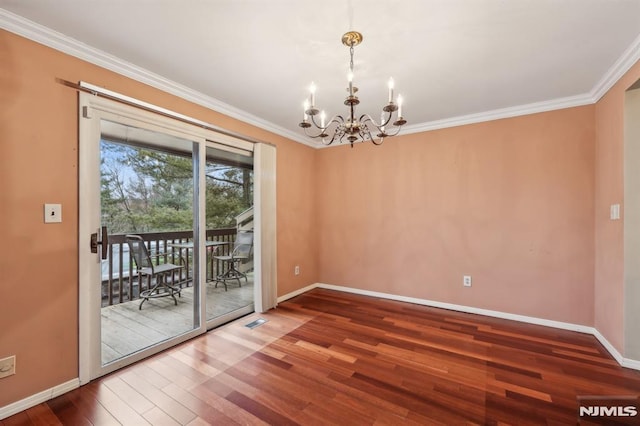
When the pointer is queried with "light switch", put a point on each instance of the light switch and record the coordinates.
(52, 213)
(615, 212)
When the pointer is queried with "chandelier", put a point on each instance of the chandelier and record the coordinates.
(351, 127)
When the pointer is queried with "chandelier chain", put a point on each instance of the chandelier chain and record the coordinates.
(351, 61)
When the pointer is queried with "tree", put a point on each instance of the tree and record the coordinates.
(147, 190)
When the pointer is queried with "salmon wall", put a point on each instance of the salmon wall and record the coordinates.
(509, 202)
(609, 189)
(39, 164)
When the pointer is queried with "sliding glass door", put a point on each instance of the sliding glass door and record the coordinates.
(167, 241)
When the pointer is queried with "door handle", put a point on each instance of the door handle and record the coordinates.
(104, 243)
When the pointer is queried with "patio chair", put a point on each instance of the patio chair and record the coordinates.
(241, 251)
(159, 272)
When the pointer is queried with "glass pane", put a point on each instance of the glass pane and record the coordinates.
(229, 212)
(147, 181)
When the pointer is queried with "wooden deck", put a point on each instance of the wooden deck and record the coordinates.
(127, 329)
(336, 358)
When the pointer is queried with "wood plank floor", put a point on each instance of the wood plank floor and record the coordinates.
(327, 357)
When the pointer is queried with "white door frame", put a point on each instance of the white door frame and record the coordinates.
(93, 109)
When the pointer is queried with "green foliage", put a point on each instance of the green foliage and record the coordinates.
(145, 190)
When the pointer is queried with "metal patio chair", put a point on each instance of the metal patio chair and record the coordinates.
(241, 251)
(160, 272)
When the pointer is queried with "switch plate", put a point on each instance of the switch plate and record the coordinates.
(466, 280)
(52, 213)
(614, 212)
(7, 366)
(296, 270)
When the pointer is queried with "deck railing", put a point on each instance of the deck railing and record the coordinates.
(121, 283)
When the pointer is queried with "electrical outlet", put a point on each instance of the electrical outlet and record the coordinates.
(296, 270)
(466, 280)
(7, 366)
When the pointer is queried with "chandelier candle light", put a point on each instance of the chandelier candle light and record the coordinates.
(353, 129)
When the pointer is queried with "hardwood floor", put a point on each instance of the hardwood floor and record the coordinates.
(327, 357)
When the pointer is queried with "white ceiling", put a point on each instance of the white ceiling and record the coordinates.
(454, 61)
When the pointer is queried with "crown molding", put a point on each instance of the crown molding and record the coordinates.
(497, 114)
(58, 41)
(48, 37)
(628, 59)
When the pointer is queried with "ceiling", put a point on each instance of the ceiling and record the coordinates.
(454, 61)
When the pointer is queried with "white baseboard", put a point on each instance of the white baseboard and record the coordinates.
(624, 362)
(296, 293)
(40, 397)
(462, 308)
(634, 364)
(609, 347)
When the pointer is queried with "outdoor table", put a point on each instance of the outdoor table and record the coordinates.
(208, 244)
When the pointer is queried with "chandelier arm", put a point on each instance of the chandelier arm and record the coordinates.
(383, 134)
(342, 135)
(321, 131)
(369, 135)
(313, 120)
(337, 132)
(371, 138)
(365, 118)
(397, 130)
(306, 132)
(365, 133)
(389, 115)
(379, 142)
(333, 138)
(336, 118)
(322, 135)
